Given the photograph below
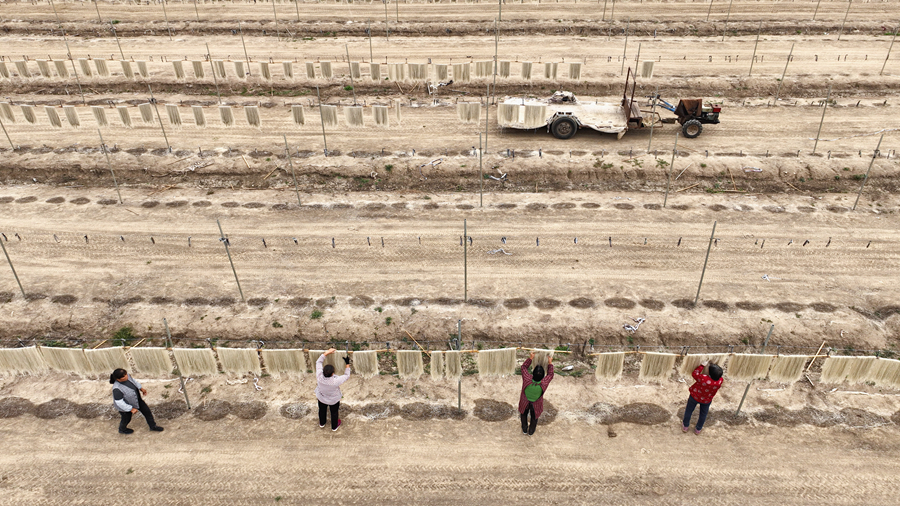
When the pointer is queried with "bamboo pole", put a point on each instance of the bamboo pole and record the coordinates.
(727, 17)
(866, 178)
(817, 9)
(275, 13)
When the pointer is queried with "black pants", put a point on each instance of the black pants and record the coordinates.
(526, 427)
(144, 409)
(689, 410)
(323, 411)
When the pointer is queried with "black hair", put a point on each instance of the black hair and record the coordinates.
(328, 370)
(538, 373)
(117, 375)
(715, 372)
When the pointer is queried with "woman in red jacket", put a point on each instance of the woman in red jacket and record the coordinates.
(531, 401)
(702, 392)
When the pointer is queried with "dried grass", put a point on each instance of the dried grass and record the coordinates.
(690, 362)
(106, 360)
(6, 112)
(284, 361)
(125, 115)
(66, 359)
(418, 71)
(461, 72)
(354, 70)
(219, 68)
(151, 361)
(837, 369)
(239, 70)
(310, 70)
(507, 114)
(365, 363)
(497, 362)
(437, 365)
(452, 364)
(550, 70)
(28, 113)
(239, 360)
(469, 112)
(535, 116)
(647, 69)
(22, 361)
(397, 71)
(657, 366)
(609, 366)
(743, 367)
(409, 364)
(85, 67)
(542, 358)
(195, 361)
(329, 115)
(787, 368)
(484, 68)
(4, 70)
(22, 69)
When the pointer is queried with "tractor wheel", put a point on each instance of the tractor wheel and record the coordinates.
(692, 128)
(564, 128)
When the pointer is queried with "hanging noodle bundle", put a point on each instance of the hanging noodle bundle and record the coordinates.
(199, 117)
(335, 359)
(297, 114)
(22, 360)
(550, 70)
(310, 70)
(252, 113)
(365, 363)
(192, 361)
(28, 113)
(575, 71)
(72, 115)
(787, 368)
(609, 366)
(125, 115)
(885, 372)
(647, 69)
(126, 69)
(329, 115)
(375, 71)
(835, 369)
(314, 357)
(418, 71)
(146, 111)
(179, 69)
(198, 69)
(44, 67)
(6, 112)
(657, 366)
(507, 114)
(264, 70)
(173, 114)
(106, 360)
(504, 69)
(354, 70)
(4, 70)
(142, 69)
(239, 360)
(452, 364)
(542, 358)
(535, 116)
(690, 362)
(53, 116)
(461, 72)
(409, 364)
(61, 69)
(102, 69)
(397, 108)
(22, 68)
(100, 115)
(497, 362)
(382, 115)
(440, 72)
(353, 116)
(66, 359)
(219, 67)
(526, 70)
(484, 68)
(469, 112)
(397, 71)
(284, 361)
(288, 69)
(437, 364)
(239, 70)
(744, 367)
(227, 115)
(151, 361)
(325, 67)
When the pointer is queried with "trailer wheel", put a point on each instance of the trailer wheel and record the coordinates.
(692, 128)
(564, 128)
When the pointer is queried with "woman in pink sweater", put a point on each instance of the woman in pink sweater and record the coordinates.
(531, 401)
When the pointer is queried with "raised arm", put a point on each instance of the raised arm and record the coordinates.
(526, 370)
(698, 372)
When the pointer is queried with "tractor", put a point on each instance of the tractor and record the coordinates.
(691, 114)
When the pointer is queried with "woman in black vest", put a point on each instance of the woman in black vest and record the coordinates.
(127, 399)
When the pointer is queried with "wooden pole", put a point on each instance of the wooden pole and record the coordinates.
(821, 121)
(671, 168)
(287, 151)
(163, 2)
(322, 120)
(228, 252)
(753, 58)
(841, 32)
(215, 77)
(874, 156)
(109, 165)
(625, 49)
(241, 28)
(886, 58)
(465, 263)
(703, 272)
(13, 146)
(159, 118)
(180, 377)
(350, 67)
(480, 172)
(778, 93)
(766, 343)
(13, 269)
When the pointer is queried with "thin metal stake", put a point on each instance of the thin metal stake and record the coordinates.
(69, 53)
(196, 11)
(874, 155)
(215, 78)
(480, 171)
(297, 5)
(817, 10)
(13, 268)
(703, 272)
(625, 49)
(291, 163)
(113, 27)
(10, 140)
(387, 34)
(821, 121)
(465, 263)
(496, 47)
(753, 58)
(710, 10)
(228, 252)
(603, 16)
(736, 413)
(397, 9)
(322, 120)
(459, 380)
(180, 377)
(725, 25)
(500, 10)
(241, 28)
(350, 67)
(98, 12)
(777, 93)
(275, 12)
(109, 164)
(671, 168)
(886, 58)
(845, 19)
(487, 115)
(167, 18)
(159, 118)
(652, 112)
